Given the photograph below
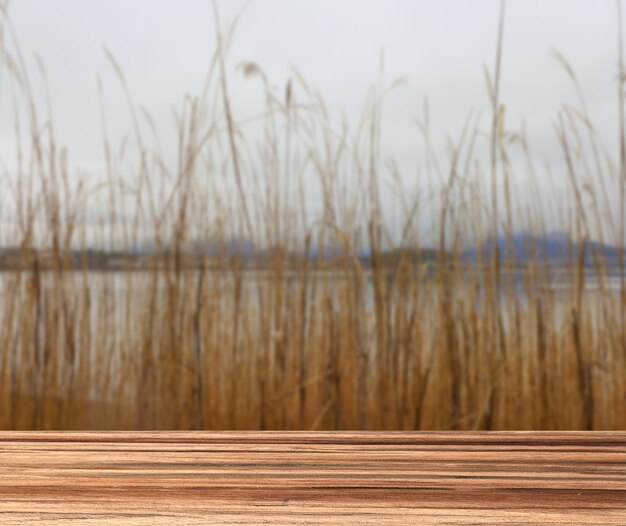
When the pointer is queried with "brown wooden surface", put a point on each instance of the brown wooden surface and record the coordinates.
(312, 478)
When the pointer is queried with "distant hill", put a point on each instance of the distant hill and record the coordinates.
(414, 256)
(556, 247)
(230, 247)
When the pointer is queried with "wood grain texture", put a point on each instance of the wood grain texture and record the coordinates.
(312, 478)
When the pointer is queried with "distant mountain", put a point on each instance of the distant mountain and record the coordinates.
(327, 251)
(413, 256)
(235, 246)
(556, 247)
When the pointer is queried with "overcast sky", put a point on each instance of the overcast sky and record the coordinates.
(440, 46)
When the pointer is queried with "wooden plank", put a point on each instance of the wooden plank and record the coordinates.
(312, 478)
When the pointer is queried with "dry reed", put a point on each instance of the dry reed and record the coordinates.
(305, 333)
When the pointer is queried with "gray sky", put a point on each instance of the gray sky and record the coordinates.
(440, 46)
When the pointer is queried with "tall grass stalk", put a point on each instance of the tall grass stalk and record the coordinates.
(224, 299)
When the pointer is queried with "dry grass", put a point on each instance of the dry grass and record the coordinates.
(400, 345)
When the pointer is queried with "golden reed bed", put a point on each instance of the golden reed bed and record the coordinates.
(358, 320)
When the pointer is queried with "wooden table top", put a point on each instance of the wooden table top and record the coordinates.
(312, 478)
